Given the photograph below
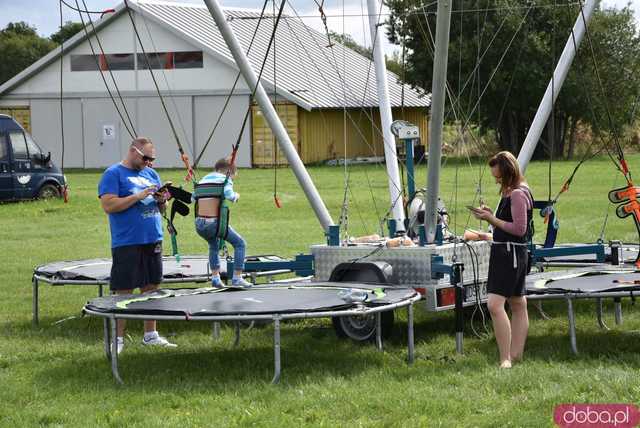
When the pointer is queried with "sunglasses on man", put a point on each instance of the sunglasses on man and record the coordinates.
(144, 157)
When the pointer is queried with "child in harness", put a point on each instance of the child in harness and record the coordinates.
(212, 220)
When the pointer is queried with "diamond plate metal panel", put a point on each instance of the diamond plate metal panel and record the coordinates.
(411, 265)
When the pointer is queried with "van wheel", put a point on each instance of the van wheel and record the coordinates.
(49, 191)
(362, 327)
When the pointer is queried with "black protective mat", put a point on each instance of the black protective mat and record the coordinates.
(584, 281)
(292, 298)
(192, 266)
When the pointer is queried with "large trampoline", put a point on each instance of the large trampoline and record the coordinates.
(96, 272)
(267, 303)
(597, 282)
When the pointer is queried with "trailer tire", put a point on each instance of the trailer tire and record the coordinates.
(362, 328)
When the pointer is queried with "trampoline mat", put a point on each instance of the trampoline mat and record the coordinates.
(259, 300)
(100, 269)
(583, 282)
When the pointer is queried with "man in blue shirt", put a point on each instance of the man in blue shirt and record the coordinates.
(127, 192)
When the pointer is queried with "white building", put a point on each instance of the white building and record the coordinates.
(195, 73)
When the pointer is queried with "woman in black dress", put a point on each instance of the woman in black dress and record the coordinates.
(508, 263)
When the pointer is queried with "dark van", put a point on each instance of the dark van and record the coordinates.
(25, 171)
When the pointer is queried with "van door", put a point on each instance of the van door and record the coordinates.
(6, 176)
(22, 172)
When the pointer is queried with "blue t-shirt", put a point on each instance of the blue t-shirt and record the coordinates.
(141, 223)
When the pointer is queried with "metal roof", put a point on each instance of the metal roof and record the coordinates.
(324, 77)
(307, 71)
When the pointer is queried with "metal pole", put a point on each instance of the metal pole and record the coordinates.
(437, 117)
(390, 154)
(378, 317)
(270, 115)
(114, 350)
(572, 326)
(36, 318)
(554, 86)
(276, 350)
(410, 340)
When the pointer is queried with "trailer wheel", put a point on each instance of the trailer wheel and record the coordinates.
(48, 191)
(362, 328)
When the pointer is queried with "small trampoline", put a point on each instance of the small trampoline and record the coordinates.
(267, 303)
(96, 272)
(587, 283)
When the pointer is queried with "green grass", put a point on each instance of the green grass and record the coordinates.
(56, 374)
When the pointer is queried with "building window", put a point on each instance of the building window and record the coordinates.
(83, 63)
(124, 61)
(157, 60)
(188, 59)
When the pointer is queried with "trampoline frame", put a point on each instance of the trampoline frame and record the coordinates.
(110, 321)
(36, 279)
(570, 297)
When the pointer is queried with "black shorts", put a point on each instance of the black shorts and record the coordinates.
(505, 279)
(136, 266)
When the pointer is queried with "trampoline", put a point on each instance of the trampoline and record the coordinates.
(96, 272)
(267, 303)
(597, 283)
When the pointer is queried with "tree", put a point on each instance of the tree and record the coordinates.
(68, 30)
(531, 41)
(20, 46)
(393, 64)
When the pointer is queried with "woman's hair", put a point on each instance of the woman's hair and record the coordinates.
(224, 165)
(510, 176)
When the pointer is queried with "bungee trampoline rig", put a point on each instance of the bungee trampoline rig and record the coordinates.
(359, 284)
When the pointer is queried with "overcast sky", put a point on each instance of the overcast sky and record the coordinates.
(44, 14)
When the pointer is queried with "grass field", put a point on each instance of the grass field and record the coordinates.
(56, 374)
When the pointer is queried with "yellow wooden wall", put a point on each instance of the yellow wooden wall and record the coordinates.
(319, 135)
(22, 115)
(264, 145)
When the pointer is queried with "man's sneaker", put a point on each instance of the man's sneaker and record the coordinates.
(158, 341)
(120, 345)
(240, 282)
(216, 282)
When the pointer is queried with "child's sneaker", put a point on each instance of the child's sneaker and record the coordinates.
(240, 282)
(216, 282)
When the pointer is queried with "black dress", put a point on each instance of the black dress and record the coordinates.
(508, 263)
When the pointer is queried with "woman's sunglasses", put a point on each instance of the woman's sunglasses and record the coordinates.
(144, 157)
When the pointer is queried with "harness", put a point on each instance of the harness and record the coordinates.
(214, 191)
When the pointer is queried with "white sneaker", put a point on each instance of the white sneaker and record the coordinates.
(240, 282)
(120, 345)
(158, 341)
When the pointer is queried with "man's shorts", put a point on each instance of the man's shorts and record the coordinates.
(136, 266)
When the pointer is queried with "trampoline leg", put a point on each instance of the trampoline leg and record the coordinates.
(410, 344)
(599, 311)
(617, 305)
(236, 342)
(114, 355)
(542, 313)
(572, 326)
(107, 339)
(379, 331)
(276, 350)
(36, 319)
(100, 291)
(215, 330)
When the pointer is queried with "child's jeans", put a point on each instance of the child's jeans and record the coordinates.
(206, 228)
